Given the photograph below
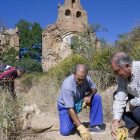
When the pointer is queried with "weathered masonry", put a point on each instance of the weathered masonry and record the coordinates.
(9, 38)
(56, 38)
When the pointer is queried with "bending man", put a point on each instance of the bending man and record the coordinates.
(127, 97)
(8, 76)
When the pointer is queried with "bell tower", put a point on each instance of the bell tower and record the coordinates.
(72, 16)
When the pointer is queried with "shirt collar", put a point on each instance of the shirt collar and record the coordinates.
(74, 79)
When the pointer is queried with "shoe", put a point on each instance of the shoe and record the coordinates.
(96, 129)
(135, 132)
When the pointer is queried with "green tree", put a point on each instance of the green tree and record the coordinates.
(8, 56)
(30, 40)
(127, 41)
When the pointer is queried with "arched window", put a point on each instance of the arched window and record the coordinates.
(78, 14)
(68, 12)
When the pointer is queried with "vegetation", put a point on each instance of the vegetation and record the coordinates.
(8, 56)
(9, 110)
(128, 41)
(30, 40)
(65, 68)
(47, 86)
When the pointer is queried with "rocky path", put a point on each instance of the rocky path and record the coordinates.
(54, 134)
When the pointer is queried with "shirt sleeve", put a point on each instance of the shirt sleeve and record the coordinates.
(136, 101)
(121, 97)
(68, 98)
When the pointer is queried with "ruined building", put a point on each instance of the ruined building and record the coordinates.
(56, 38)
(9, 38)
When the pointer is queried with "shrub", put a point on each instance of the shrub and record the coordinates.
(31, 65)
(102, 74)
(101, 59)
(65, 68)
(135, 52)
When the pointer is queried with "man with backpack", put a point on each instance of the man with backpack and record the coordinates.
(8, 74)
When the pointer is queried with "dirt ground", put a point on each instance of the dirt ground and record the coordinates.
(54, 134)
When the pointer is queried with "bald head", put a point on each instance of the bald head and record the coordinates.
(121, 59)
(81, 68)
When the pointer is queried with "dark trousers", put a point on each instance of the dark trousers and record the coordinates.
(131, 119)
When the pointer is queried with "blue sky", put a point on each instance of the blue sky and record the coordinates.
(118, 16)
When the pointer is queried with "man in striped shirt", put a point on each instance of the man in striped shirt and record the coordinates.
(8, 77)
(127, 97)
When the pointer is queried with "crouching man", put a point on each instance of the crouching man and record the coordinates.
(72, 94)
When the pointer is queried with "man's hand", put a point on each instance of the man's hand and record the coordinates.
(132, 108)
(87, 99)
(84, 132)
(114, 126)
(88, 96)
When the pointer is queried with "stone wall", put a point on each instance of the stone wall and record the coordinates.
(9, 38)
(56, 38)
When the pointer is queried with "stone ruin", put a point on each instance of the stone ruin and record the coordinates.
(56, 38)
(9, 38)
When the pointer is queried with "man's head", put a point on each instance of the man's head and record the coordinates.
(20, 70)
(121, 64)
(80, 72)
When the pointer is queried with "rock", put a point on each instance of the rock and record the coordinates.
(40, 123)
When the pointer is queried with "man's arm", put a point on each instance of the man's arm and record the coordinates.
(74, 116)
(120, 99)
(114, 126)
(118, 106)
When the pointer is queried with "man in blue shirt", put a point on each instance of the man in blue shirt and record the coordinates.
(73, 91)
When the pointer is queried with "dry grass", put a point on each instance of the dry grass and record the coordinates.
(45, 92)
(9, 110)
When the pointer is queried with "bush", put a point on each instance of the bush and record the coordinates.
(135, 52)
(65, 68)
(31, 65)
(102, 73)
(101, 59)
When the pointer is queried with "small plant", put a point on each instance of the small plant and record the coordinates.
(9, 111)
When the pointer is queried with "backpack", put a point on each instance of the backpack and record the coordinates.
(4, 68)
